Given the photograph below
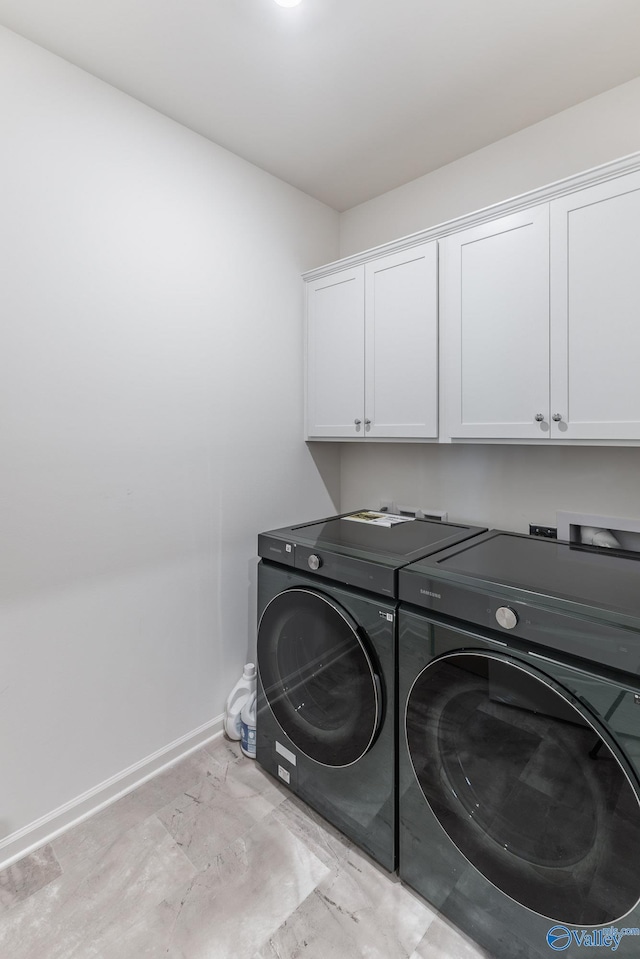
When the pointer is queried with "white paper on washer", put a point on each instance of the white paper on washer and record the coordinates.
(378, 519)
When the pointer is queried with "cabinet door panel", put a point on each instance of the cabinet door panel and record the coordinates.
(401, 344)
(335, 355)
(495, 327)
(595, 311)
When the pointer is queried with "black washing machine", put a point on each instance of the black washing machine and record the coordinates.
(519, 758)
(326, 650)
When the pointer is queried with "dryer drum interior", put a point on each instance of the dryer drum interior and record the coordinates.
(505, 759)
(318, 677)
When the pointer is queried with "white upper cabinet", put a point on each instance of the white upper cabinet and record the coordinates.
(539, 324)
(372, 349)
(335, 355)
(401, 345)
(595, 312)
(494, 312)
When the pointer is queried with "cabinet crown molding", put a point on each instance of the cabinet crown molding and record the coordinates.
(571, 184)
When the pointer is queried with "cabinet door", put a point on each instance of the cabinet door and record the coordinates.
(335, 355)
(494, 323)
(595, 311)
(401, 344)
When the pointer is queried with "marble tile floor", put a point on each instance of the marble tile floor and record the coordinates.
(212, 859)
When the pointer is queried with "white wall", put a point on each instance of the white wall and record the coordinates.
(150, 425)
(599, 130)
(506, 487)
(503, 486)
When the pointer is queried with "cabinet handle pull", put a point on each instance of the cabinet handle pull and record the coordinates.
(367, 422)
(357, 422)
(539, 417)
(556, 417)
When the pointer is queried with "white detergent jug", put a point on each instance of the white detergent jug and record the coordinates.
(248, 725)
(243, 689)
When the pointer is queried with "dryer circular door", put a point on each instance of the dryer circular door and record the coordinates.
(318, 677)
(528, 786)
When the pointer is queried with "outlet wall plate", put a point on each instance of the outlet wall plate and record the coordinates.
(625, 529)
(547, 532)
(419, 512)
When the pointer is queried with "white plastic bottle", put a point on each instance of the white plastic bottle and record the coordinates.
(243, 689)
(248, 741)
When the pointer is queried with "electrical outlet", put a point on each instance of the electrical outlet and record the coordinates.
(415, 512)
(548, 532)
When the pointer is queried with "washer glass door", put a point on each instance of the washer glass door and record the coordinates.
(528, 785)
(318, 676)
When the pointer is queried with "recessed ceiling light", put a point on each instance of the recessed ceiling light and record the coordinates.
(288, 3)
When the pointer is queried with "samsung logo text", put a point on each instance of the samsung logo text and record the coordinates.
(427, 592)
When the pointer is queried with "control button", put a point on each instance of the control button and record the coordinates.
(314, 562)
(506, 617)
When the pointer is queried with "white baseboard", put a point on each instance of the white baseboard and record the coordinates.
(43, 830)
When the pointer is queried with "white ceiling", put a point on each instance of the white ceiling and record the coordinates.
(346, 99)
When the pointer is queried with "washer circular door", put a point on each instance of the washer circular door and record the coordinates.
(528, 786)
(318, 676)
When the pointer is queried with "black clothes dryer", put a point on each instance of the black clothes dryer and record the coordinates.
(519, 760)
(326, 650)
